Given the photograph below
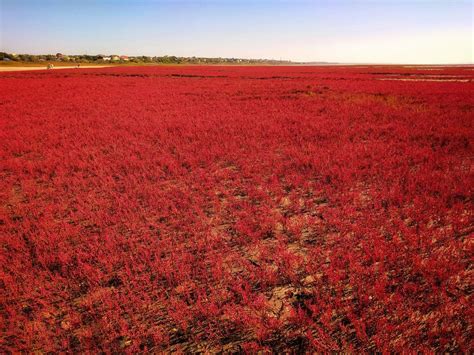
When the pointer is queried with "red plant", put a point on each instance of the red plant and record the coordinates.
(236, 208)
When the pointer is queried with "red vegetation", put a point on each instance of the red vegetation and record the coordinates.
(237, 209)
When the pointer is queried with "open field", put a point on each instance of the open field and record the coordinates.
(237, 209)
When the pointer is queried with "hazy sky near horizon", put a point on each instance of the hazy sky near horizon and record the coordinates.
(362, 31)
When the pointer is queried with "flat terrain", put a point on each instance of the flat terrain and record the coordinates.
(10, 68)
(237, 209)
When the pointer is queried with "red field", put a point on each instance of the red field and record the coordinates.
(237, 208)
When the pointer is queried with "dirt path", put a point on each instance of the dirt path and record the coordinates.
(3, 69)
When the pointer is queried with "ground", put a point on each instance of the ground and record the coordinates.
(236, 209)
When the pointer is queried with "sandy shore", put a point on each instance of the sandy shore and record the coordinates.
(7, 68)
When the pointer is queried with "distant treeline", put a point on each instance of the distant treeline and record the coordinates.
(99, 58)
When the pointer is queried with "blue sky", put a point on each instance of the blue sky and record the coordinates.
(370, 31)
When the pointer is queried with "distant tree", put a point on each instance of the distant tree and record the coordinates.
(26, 58)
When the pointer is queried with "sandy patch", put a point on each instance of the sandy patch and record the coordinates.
(4, 69)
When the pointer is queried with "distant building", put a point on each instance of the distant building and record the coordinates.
(106, 58)
(59, 55)
(124, 57)
(114, 57)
